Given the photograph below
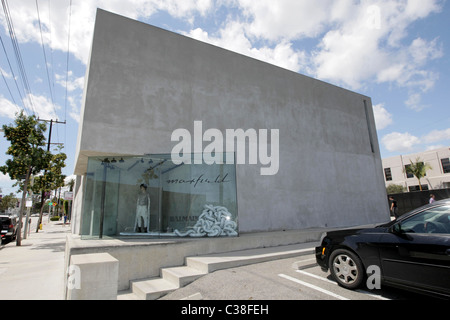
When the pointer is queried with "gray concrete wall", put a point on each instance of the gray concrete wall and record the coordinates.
(144, 82)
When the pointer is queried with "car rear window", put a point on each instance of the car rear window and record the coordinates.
(5, 220)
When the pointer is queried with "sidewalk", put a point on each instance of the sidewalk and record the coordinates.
(34, 271)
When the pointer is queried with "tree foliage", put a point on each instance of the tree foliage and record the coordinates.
(8, 202)
(395, 188)
(52, 177)
(26, 139)
(28, 157)
(418, 169)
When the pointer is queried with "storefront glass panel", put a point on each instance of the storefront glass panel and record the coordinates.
(150, 196)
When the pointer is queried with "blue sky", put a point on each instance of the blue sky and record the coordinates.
(397, 52)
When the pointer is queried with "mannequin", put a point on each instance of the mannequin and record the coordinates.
(142, 210)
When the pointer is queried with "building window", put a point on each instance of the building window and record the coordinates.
(408, 175)
(388, 174)
(445, 165)
(417, 188)
(151, 196)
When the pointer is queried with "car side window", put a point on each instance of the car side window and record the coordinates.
(433, 220)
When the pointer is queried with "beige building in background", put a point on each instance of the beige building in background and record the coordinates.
(436, 178)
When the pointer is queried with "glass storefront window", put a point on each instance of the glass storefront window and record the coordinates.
(150, 196)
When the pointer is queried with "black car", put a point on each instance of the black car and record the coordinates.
(411, 252)
(8, 227)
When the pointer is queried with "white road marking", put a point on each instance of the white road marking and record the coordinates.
(316, 277)
(306, 284)
(329, 281)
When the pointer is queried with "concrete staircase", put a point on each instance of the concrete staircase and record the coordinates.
(176, 277)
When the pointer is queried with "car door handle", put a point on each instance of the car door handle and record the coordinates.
(447, 252)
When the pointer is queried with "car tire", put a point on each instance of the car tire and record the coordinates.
(346, 268)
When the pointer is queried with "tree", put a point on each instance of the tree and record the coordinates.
(52, 179)
(70, 184)
(418, 169)
(395, 188)
(26, 139)
(8, 202)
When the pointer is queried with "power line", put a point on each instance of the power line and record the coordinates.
(12, 72)
(67, 60)
(51, 43)
(45, 58)
(67, 67)
(7, 86)
(18, 55)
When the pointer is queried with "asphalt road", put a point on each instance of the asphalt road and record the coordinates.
(287, 279)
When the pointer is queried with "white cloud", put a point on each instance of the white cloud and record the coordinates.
(400, 142)
(343, 57)
(405, 142)
(42, 107)
(232, 37)
(55, 19)
(6, 185)
(414, 102)
(354, 52)
(8, 108)
(72, 83)
(357, 41)
(182, 8)
(285, 19)
(391, 73)
(74, 112)
(437, 135)
(4, 179)
(422, 50)
(434, 147)
(382, 117)
(5, 74)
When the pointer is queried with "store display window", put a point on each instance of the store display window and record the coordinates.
(151, 196)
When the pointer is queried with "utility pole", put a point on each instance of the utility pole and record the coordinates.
(50, 132)
(48, 149)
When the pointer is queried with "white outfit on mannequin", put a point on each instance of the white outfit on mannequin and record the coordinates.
(142, 210)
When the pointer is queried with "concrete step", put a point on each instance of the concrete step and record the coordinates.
(181, 276)
(171, 279)
(152, 289)
(177, 277)
(127, 295)
(212, 262)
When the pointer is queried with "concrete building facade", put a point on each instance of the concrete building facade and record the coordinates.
(144, 83)
(438, 177)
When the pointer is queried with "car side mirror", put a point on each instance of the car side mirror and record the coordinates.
(397, 229)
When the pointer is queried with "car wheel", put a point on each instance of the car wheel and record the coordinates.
(346, 268)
